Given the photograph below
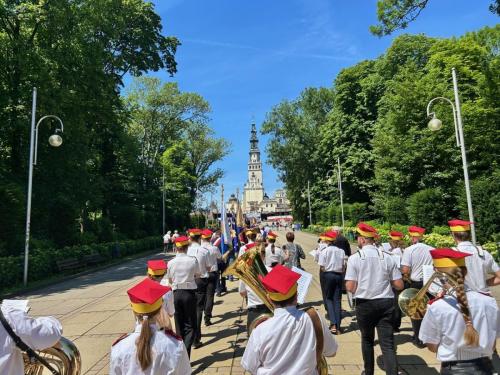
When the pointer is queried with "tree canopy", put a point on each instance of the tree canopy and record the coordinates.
(374, 120)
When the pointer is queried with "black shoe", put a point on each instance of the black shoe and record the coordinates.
(197, 345)
(218, 294)
(208, 323)
(397, 330)
(419, 344)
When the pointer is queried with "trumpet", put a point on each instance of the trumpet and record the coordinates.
(413, 302)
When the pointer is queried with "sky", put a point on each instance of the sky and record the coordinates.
(244, 57)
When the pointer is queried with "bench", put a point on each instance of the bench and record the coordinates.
(93, 259)
(68, 264)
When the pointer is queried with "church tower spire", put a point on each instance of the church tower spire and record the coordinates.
(254, 187)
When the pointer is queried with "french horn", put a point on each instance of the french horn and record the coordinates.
(63, 357)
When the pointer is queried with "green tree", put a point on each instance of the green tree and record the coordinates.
(397, 14)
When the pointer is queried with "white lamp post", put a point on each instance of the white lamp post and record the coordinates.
(303, 195)
(329, 180)
(55, 140)
(435, 124)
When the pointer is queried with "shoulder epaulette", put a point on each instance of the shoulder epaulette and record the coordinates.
(171, 333)
(434, 300)
(119, 339)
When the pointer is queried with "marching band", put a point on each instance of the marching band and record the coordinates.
(460, 324)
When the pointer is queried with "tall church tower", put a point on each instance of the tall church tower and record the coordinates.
(254, 187)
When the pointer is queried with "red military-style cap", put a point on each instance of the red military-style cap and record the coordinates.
(329, 235)
(446, 257)
(366, 230)
(457, 225)
(280, 283)
(271, 235)
(396, 236)
(415, 231)
(147, 296)
(157, 267)
(181, 241)
(194, 232)
(206, 233)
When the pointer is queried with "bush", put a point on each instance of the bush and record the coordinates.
(391, 209)
(42, 262)
(425, 208)
(356, 212)
(486, 204)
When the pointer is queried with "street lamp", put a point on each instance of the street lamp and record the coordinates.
(303, 195)
(162, 150)
(329, 180)
(435, 124)
(55, 140)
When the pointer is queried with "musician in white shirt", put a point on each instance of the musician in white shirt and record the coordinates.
(286, 343)
(37, 333)
(461, 326)
(482, 270)
(214, 255)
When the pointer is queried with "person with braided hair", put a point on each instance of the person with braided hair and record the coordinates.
(461, 325)
(150, 349)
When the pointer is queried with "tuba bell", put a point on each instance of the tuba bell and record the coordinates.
(413, 302)
(63, 357)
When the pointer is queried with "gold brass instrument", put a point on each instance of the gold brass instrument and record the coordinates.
(64, 357)
(413, 302)
(247, 268)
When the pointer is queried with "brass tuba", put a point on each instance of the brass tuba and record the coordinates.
(247, 268)
(63, 356)
(413, 302)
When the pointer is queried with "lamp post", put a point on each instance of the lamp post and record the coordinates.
(435, 124)
(303, 195)
(162, 150)
(55, 140)
(329, 180)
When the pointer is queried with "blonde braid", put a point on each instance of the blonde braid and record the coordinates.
(471, 336)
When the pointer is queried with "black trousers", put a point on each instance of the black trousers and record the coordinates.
(254, 312)
(201, 299)
(185, 316)
(371, 314)
(322, 284)
(397, 311)
(209, 304)
(220, 284)
(479, 366)
(415, 324)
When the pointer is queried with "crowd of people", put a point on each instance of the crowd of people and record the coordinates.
(460, 324)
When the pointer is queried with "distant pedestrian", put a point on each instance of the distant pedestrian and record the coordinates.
(295, 251)
(166, 241)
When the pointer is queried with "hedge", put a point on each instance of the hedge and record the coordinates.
(437, 238)
(42, 263)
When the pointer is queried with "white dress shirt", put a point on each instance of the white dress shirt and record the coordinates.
(332, 259)
(277, 257)
(169, 355)
(444, 325)
(319, 249)
(415, 257)
(37, 333)
(182, 270)
(213, 255)
(286, 344)
(479, 266)
(252, 298)
(168, 299)
(201, 255)
(373, 270)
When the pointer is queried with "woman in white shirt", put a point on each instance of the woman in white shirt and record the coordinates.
(149, 350)
(397, 245)
(274, 254)
(461, 326)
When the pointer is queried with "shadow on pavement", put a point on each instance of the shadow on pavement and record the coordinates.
(411, 364)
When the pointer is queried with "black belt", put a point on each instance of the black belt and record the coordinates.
(257, 307)
(336, 273)
(481, 360)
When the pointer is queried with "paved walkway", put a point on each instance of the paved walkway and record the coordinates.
(95, 310)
